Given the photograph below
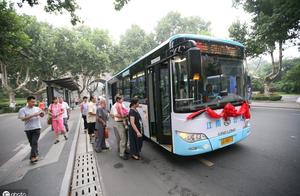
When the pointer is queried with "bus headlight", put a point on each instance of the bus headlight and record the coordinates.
(247, 123)
(191, 137)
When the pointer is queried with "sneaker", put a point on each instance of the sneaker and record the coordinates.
(66, 138)
(105, 148)
(56, 141)
(33, 160)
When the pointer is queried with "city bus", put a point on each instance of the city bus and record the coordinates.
(192, 92)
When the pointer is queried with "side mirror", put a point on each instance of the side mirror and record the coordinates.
(194, 63)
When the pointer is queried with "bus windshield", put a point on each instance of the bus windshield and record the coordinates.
(220, 82)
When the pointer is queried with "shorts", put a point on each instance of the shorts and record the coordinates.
(91, 128)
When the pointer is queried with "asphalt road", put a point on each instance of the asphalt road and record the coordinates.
(266, 163)
(46, 176)
(12, 136)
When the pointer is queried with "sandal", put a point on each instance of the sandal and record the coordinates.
(135, 157)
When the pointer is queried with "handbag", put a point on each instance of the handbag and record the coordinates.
(106, 130)
(49, 120)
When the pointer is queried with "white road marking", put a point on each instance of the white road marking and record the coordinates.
(206, 162)
(16, 167)
(19, 147)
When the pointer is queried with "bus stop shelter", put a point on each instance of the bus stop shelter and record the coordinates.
(61, 88)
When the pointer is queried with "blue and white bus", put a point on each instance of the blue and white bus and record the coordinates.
(184, 86)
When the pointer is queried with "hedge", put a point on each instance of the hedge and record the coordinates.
(262, 97)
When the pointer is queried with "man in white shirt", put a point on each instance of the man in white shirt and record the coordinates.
(30, 116)
(120, 127)
(66, 114)
(91, 117)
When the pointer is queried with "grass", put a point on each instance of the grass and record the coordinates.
(19, 101)
(284, 93)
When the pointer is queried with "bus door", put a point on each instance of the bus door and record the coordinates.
(158, 87)
(113, 92)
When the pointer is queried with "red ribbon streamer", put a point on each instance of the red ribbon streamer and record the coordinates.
(228, 111)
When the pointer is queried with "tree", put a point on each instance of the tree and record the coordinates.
(83, 54)
(14, 75)
(240, 32)
(291, 81)
(119, 4)
(274, 22)
(173, 23)
(41, 55)
(133, 45)
(70, 6)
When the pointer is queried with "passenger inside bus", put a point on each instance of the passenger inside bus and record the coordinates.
(208, 94)
(182, 90)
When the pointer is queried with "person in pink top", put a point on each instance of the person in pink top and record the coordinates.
(56, 111)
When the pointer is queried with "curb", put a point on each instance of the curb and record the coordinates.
(275, 107)
(66, 183)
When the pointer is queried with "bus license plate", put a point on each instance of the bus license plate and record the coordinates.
(226, 140)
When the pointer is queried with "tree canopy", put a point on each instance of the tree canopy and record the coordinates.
(274, 23)
(173, 23)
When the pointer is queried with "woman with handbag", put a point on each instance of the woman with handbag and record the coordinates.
(101, 126)
(56, 111)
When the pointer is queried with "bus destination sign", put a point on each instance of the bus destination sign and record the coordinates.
(220, 49)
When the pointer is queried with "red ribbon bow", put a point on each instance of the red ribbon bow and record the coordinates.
(228, 111)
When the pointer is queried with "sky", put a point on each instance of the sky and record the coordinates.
(146, 14)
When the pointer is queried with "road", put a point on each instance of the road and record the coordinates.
(266, 163)
(44, 177)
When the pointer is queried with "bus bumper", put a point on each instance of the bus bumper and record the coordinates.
(184, 148)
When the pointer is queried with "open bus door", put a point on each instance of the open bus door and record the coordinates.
(159, 103)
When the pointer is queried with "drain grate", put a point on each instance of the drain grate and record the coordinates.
(85, 176)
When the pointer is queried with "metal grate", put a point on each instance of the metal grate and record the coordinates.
(85, 176)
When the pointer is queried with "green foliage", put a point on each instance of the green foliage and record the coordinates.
(262, 97)
(273, 21)
(133, 44)
(119, 4)
(173, 23)
(291, 80)
(69, 6)
(288, 81)
(240, 32)
(257, 85)
(12, 35)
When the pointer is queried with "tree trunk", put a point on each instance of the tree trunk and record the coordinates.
(280, 58)
(12, 99)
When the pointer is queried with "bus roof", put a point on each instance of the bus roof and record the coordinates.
(174, 37)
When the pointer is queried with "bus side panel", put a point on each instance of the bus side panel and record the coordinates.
(143, 110)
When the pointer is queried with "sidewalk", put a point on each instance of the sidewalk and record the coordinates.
(276, 104)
